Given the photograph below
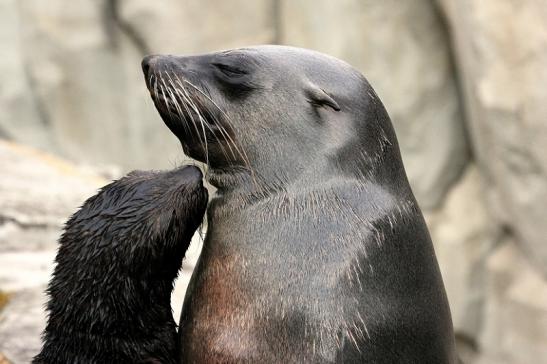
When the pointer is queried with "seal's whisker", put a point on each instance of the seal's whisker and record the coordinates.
(177, 106)
(222, 111)
(201, 231)
(213, 118)
(192, 119)
(194, 107)
(151, 80)
(206, 124)
(150, 87)
(187, 95)
(186, 108)
(176, 102)
(203, 142)
(165, 101)
(223, 130)
(155, 84)
(187, 105)
(202, 122)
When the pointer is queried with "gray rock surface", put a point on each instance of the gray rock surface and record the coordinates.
(515, 318)
(501, 48)
(402, 48)
(497, 296)
(463, 240)
(194, 26)
(19, 118)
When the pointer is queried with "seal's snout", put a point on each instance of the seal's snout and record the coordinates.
(147, 63)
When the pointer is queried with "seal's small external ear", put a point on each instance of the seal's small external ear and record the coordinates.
(319, 97)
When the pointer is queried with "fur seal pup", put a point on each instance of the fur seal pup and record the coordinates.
(117, 259)
(316, 250)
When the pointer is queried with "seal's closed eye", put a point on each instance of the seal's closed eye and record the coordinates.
(229, 70)
(235, 74)
(318, 96)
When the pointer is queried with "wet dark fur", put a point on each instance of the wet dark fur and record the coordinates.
(109, 298)
(316, 250)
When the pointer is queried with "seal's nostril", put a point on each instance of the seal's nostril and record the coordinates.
(145, 67)
(146, 63)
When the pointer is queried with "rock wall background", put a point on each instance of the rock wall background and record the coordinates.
(463, 80)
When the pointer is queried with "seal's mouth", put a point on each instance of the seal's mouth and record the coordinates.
(180, 108)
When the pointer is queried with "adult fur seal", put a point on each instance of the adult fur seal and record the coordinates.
(316, 250)
(117, 259)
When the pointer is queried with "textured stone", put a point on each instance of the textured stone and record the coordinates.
(515, 319)
(462, 235)
(501, 48)
(38, 192)
(19, 116)
(402, 48)
(21, 324)
(193, 26)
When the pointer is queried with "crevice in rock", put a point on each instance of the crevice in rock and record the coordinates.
(39, 105)
(458, 82)
(112, 18)
(37, 101)
(505, 233)
(467, 341)
(453, 59)
(4, 134)
(24, 225)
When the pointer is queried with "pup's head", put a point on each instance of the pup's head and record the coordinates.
(140, 225)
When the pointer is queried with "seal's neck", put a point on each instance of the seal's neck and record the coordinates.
(265, 178)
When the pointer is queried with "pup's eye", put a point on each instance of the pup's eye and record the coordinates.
(230, 71)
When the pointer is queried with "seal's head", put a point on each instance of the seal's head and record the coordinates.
(281, 112)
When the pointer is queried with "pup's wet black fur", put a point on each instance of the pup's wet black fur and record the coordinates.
(117, 259)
